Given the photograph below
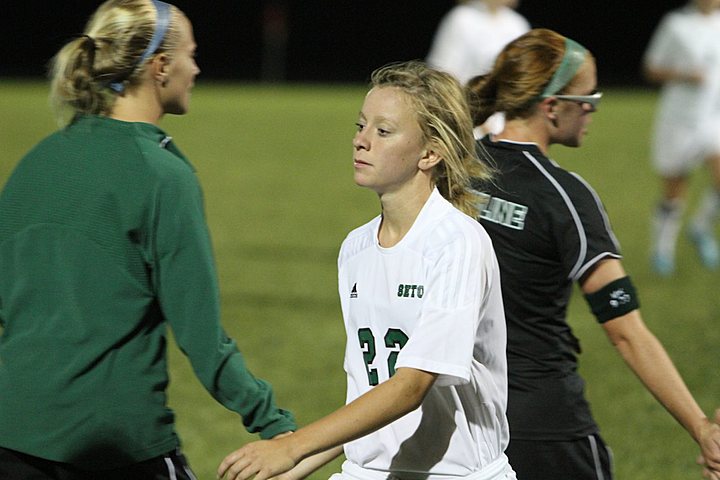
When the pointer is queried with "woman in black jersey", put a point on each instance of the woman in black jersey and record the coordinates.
(549, 230)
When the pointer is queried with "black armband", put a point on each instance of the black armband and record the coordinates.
(613, 300)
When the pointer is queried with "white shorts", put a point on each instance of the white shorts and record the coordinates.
(678, 149)
(498, 469)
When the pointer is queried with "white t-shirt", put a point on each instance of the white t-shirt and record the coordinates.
(432, 302)
(687, 123)
(467, 41)
(469, 38)
(686, 40)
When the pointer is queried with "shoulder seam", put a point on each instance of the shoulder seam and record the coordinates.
(571, 208)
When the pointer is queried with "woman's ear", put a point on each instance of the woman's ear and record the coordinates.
(160, 64)
(549, 107)
(429, 158)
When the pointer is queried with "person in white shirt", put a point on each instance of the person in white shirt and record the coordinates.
(469, 38)
(420, 293)
(684, 57)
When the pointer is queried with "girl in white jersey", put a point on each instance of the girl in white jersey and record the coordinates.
(684, 57)
(469, 38)
(420, 293)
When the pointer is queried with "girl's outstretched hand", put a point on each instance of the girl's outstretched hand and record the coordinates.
(262, 460)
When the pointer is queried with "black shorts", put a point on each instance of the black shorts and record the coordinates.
(583, 459)
(19, 466)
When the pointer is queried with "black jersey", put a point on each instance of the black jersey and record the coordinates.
(549, 229)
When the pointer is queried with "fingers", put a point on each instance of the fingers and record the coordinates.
(711, 475)
(261, 460)
(708, 472)
(235, 466)
(225, 464)
(710, 450)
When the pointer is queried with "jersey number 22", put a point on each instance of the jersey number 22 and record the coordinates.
(395, 340)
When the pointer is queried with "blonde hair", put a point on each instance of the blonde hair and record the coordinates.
(519, 76)
(107, 53)
(444, 118)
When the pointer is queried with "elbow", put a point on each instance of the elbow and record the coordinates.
(616, 336)
(415, 395)
(415, 386)
(651, 75)
(628, 333)
(416, 398)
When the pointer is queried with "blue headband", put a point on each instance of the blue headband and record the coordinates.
(161, 26)
(573, 58)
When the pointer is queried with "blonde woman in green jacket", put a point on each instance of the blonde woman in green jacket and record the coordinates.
(103, 245)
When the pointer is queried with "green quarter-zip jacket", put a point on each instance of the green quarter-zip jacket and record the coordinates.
(103, 245)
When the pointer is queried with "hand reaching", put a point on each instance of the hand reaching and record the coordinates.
(710, 449)
(262, 460)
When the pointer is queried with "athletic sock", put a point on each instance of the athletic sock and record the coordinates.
(707, 212)
(666, 227)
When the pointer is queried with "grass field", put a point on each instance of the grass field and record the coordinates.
(275, 163)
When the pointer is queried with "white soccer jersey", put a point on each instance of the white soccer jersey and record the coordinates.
(469, 38)
(688, 118)
(432, 302)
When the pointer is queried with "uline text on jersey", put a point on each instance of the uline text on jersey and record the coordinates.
(504, 212)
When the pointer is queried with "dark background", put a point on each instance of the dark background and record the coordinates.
(332, 40)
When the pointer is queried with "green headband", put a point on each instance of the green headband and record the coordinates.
(573, 57)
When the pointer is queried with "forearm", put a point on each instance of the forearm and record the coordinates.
(311, 464)
(239, 390)
(648, 359)
(664, 75)
(378, 407)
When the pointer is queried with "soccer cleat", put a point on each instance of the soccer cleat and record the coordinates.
(664, 265)
(707, 247)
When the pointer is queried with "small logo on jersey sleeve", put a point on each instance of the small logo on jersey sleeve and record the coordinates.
(353, 292)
